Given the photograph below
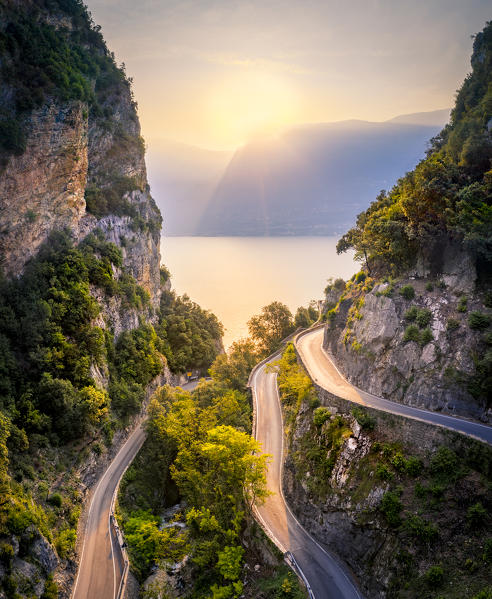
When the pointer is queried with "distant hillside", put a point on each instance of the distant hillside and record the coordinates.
(311, 180)
(183, 178)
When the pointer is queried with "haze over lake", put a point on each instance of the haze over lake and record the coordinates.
(235, 277)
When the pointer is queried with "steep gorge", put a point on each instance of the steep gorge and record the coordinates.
(89, 326)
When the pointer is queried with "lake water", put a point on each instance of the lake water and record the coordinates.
(235, 277)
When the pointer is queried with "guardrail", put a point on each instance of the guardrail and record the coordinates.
(120, 539)
(291, 560)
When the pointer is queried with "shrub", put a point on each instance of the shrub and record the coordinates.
(420, 529)
(471, 565)
(356, 346)
(423, 318)
(420, 491)
(330, 315)
(65, 542)
(434, 576)
(452, 325)
(478, 321)
(10, 587)
(408, 292)
(56, 500)
(462, 304)
(366, 421)
(391, 507)
(426, 337)
(476, 515)
(411, 313)
(360, 276)
(398, 461)
(484, 594)
(411, 333)
(437, 490)
(19, 519)
(383, 472)
(413, 466)
(6, 554)
(321, 415)
(487, 551)
(429, 286)
(388, 292)
(164, 274)
(50, 589)
(444, 461)
(30, 216)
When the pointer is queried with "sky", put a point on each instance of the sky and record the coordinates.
(216, 73)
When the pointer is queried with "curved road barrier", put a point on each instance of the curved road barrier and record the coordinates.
(325, 577)
(322, 369)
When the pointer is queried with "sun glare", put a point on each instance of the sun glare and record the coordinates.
(250, 105)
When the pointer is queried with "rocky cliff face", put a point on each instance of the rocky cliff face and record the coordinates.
(420, 351)
(373, 489)
(83, 169)
(43, 189)
(72, 159)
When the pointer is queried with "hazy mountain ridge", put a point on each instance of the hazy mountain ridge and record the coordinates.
(310, 180)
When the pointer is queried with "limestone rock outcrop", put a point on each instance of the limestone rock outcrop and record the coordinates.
(368, 340)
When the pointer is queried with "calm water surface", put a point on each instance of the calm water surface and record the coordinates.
(235, 277)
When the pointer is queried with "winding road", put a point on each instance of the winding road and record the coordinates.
(101, 567)
(324, 372)
(325, 576)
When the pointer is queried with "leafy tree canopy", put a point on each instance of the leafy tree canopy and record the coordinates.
(271, 326)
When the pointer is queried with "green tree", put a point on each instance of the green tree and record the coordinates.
(229, 561)
(233, 368)
(95, 403)
(191, 335)
(305, 317)
(271, 326)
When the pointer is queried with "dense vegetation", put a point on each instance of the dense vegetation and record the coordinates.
(66, 383)
(438, 508)
(447, 199)
(41, 61)
(192, 334)
(200, 444)
(197, 457)
(318, 450)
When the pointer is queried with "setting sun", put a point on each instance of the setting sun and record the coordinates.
(249, 104)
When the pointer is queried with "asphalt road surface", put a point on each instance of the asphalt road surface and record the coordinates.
(326, 577)
(324, 372)
(101, 563)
